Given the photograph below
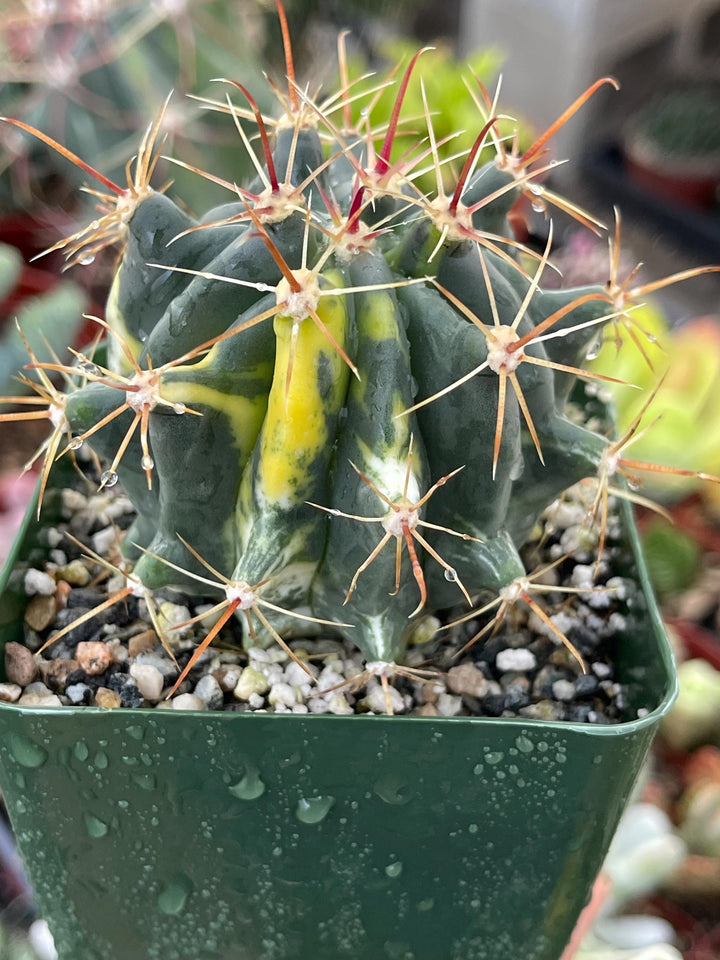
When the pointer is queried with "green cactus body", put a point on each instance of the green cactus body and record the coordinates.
(141, 293)
(228, 388)
(379, 446)
(246, 259)
(370, 500)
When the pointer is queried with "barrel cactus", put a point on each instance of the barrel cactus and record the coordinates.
(335, 399)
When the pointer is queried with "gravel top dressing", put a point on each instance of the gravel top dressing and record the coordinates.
(519, 667)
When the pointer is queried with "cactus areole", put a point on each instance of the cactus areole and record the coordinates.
(339, 406)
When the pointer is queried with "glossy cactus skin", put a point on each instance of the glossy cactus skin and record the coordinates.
(288, 349)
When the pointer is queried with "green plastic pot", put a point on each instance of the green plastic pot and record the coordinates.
(161, 835)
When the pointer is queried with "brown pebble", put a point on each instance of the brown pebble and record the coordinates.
(40, 612)
(107, 698)
(563, 658)
(94, 656)
(20, 664)
(55, 673)
(427, 710)
(142, 642)
(61, 594)
(466, 678)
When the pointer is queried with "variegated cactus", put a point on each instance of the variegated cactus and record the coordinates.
(336, 399)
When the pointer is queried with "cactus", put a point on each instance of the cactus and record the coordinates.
(333, 370)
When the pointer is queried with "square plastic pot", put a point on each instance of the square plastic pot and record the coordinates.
(162, 835)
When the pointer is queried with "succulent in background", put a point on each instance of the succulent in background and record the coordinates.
(88, 74)
(50, 319)
(338, 399)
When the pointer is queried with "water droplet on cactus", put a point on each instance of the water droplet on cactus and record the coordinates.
(147, 463)
(179, 408)
(451, 575)
(594, 349)
(536, 189)
(108, 478)
(87, 260)
(539, 206)
(75, 443)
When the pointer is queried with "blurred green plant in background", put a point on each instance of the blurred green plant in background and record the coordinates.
(451, 85)
(50, 318)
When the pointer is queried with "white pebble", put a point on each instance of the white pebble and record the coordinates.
(72, 502)
(255, 701)
(188, 701)
(103, 540)
(252, 683)
(38, 582)
(377, 702)
(515, 658)
(338, 705)
(38, 695)
(296, 676)
(282, 693)
(563, 690)
(318, 705)
(448, 705)
(583, 576)
(259, 655)
(171, 616)
(149, 680)
(10, 692)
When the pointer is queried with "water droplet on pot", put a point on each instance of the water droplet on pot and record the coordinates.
(81, 750)
(108, 478)
(394, 870)
(426, 905)
(26, 751)
(172, 898)
(250, 787)
(494, 757)
(313, 809)
(392, 789)
(524, 744)
(146, 781)
(101, 760)
(473, 828)
(94, 827)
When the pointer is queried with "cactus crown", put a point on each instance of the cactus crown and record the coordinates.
(335, 399)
